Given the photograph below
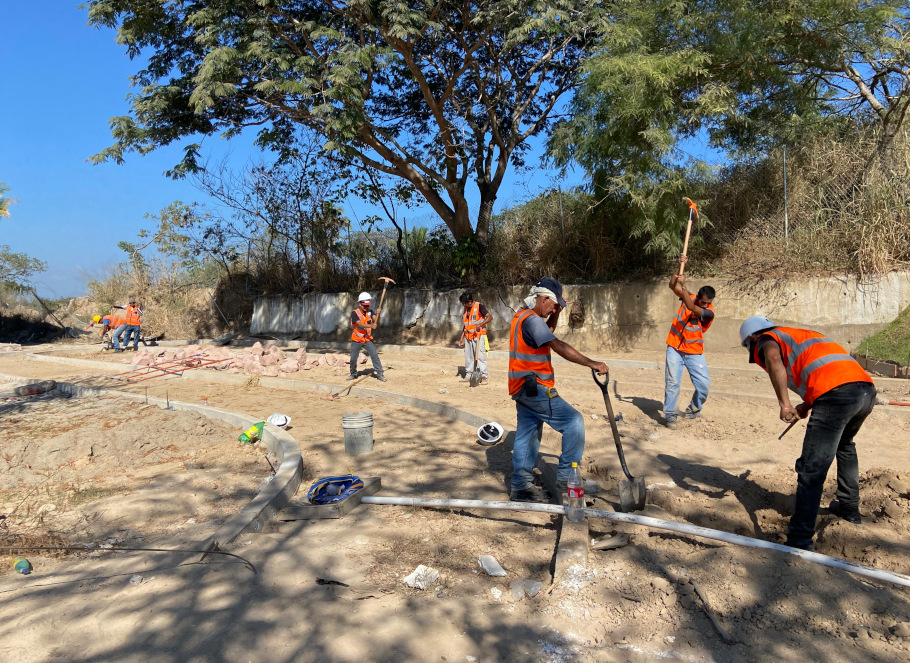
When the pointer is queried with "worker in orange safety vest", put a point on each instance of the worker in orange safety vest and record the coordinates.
(132, 321)
(363, 322)
(107, 322)
(532, 385)
(473, 337)
(685, 348)
(840, 396)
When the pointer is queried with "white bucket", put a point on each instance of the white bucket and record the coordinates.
(358, 432)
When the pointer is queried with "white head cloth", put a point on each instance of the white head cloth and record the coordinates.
(537, 291)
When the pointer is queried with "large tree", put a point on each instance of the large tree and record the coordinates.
(434, 92)
(745, 74)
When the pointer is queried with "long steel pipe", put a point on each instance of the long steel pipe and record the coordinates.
(654, 523)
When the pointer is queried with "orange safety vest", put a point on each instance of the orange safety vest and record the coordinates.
(133, 314)
(525, 360)
(686, 332)
(471, 318)
(112, 321)
(362, 335)
(815, 364)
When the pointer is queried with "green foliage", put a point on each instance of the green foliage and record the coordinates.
(435, 93)
(891, 343)
(467, 255)
(17, 268)
(745, 75)
(5, 201)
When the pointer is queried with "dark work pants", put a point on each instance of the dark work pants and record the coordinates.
(836, 418)
(371, 351)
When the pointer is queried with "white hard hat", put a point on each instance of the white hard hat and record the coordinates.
(364, 297)
(489, 434)
(753, 325)
(280, 420)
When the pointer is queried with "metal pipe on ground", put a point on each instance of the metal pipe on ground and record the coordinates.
(653, 523)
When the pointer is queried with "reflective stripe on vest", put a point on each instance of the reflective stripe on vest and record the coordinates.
(471, 318)
(362, 335)
(815, 364)
(112, 321)
(133, 314)
(686, 331)
(525, 360)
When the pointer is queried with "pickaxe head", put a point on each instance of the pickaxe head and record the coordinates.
(386, 279)
(692, 206)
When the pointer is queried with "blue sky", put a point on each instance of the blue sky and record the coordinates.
(62, 82)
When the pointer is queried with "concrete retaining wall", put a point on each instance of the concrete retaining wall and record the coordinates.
(618, 315)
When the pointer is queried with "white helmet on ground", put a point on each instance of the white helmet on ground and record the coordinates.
(753, 325)
(489, 434)
(364, 297)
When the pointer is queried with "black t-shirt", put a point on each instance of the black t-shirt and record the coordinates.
(355, 319)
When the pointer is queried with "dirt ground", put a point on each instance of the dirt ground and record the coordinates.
(726, 470)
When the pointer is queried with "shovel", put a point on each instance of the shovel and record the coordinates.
(476, 376)
(631, 492)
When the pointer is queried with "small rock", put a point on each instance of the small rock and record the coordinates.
(524, 587)
(686, 590)
(489, 564)
(137, 580)
(443, 391)
(902, 630)
(661, 585)
(496, 592)
(891, 509)
(594, 417)
(421, 577)
(897, 486)
(653, 436)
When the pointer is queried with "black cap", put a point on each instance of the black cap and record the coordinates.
(554, 286)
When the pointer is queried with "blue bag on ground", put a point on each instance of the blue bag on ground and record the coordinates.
(333, 489)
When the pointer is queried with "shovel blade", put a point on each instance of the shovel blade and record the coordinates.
(475, 378)
(632, 495)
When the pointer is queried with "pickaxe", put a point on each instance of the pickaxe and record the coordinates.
(693, 208)
(382, 297)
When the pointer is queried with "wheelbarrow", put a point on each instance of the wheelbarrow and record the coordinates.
(632, 492)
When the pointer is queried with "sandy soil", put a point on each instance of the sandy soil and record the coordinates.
(726, 470)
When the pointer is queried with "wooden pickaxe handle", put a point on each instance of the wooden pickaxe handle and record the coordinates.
(693, 209)
(386, 281)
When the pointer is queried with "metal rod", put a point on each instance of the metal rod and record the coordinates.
(654, 523)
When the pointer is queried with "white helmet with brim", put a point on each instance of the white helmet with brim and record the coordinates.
(753, 325)
(364, 297)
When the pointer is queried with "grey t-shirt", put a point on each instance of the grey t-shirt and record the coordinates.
(535, 331)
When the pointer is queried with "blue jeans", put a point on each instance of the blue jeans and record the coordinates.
(532, 414)
(698, 372)
(128, 330)
(836, 417)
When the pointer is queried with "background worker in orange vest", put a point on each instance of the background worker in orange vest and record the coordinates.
(362, 326)
(840, 395)
(475, 320)
(532, 387)
(108, 323)
(685, 347)
(132, 321)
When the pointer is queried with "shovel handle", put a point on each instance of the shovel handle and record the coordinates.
(606, 394)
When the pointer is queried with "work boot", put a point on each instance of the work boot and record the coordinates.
(691, 414)
(484, 380)
(118, 349)
(530, 494)
(381, 377)
(352, 376)
(671, 423)
(841, 511)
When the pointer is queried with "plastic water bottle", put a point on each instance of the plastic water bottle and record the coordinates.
(576, 498)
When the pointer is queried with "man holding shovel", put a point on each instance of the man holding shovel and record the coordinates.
(362, 325)
(532, 387)
(473, 336)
